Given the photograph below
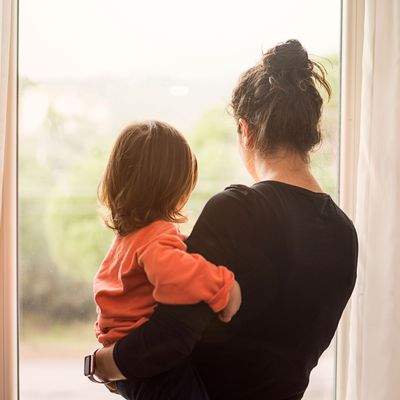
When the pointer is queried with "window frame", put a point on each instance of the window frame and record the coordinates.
(351, 43)
(8, 215)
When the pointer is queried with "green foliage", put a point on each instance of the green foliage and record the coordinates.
(324, 158)
(58, 228)
(324, 168)
(34, 255)
(45, 291)
(77, 237)
(332, 67)
(214, 141)
(214, 128)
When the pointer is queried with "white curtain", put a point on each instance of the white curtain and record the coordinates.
(369, 363)
(8, 249)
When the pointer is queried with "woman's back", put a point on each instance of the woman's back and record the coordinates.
(293, 251)
(294, 254)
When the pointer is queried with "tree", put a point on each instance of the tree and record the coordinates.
(46, 292)
(77, 238)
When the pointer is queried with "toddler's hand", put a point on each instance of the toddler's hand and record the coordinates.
(235, 299)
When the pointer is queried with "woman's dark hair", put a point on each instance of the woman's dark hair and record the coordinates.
(149, 176)
(279, 100)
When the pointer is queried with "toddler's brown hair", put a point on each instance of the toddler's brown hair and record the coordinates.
(149, 176)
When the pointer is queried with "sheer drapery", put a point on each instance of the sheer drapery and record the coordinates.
(8, 251)
(370, 369)
(351, 74)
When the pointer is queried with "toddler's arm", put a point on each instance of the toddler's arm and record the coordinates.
(182, 278)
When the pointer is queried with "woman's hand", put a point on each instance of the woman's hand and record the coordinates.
(105, 367)
(235, 300)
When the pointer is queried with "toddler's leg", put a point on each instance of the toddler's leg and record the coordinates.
(181, 383)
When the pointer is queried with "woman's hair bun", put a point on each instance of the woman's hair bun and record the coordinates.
(285, 57)
(280, 100)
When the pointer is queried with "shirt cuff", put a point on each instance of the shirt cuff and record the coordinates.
(220, 300)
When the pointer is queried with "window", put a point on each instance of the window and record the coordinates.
(87, 69)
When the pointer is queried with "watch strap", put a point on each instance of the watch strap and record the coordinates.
(90, 368)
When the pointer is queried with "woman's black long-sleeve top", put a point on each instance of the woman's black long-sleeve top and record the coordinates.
(294, 253)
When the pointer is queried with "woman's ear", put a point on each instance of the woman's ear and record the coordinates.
(245, 135)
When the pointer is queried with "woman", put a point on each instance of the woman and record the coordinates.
(293, 251)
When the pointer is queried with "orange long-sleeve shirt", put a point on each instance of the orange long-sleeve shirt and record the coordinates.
(148, 266)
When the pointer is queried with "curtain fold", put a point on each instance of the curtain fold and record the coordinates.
(350, 106)
(372, 363)
(8, 200)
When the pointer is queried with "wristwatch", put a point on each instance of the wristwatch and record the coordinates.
(89, 368)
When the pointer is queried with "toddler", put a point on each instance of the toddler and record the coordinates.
(148, 180)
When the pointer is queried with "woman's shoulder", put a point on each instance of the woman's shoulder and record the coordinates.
(237, 195)
(238, 189)
(229, 199)
(231, 192)
(233, 206)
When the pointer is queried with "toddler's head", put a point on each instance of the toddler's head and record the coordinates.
(149, 176)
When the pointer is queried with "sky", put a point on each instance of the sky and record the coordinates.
(81, 39)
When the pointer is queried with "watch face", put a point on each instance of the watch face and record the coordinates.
(87, 367)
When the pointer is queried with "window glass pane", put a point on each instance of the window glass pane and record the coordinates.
(87, 68)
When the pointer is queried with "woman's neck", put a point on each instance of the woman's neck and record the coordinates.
(287, 168)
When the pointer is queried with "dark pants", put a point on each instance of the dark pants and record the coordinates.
(180, 383)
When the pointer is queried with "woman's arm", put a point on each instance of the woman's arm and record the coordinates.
(157, 346)
(173, 331)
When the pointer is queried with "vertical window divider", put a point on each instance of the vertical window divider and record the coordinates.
(8, 202)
